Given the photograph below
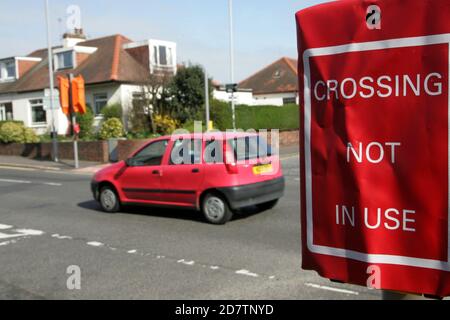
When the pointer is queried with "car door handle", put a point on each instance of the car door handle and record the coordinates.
(195, 170)
(155, 172)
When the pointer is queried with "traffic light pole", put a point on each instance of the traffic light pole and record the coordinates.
(74, 123)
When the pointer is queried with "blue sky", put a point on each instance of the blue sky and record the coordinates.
(264, 29)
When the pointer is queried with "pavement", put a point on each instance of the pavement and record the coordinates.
(51, 230)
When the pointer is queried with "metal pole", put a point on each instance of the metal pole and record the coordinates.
(233, 111)
(52, 85)
(207, 99)
(74, 123)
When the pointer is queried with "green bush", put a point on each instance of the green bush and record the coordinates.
(112, 111)
(86, 121)
(15, 132)
(111, 128)
(164, 124)
(220, 114)
(254, 117)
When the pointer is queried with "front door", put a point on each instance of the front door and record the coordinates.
(141, 180)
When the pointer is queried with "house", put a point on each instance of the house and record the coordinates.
(276, 84)
(113, 67)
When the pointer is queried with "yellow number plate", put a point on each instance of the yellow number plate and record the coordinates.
(266, 168)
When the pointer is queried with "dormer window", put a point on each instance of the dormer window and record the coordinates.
(64, 60)
(8, 70)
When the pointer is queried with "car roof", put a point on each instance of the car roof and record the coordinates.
(217, 135)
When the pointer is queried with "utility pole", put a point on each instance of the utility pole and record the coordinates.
(233, 107)
(208, 120)
(52, 85)
(73, 116)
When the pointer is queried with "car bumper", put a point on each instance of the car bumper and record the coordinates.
(94, 189)
(253, 194)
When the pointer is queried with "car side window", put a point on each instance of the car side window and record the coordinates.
(214, 151)
(151, 155)
(187, 151)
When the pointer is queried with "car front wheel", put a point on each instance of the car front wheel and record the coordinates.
(216, 209)
(109, 201)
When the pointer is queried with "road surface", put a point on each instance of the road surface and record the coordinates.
(49, 222)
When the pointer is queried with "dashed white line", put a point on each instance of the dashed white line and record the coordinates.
(95, 244)
(188, 263)
(247, 273)
(132, 251)
(51, 184)
(316, 286)
(30, 232)
(15, 181)
(4, 227)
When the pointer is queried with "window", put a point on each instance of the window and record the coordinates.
(214, 151)
(151, 155)
(162, 56)
(194, 155)
(8, 70)
(292, 100)
(64, 60)
(248, 148)
(38, 114)
(100, 101)
(6, 112)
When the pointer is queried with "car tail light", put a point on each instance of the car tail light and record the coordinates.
(229, 160)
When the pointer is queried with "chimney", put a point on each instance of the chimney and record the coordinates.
(71, 39)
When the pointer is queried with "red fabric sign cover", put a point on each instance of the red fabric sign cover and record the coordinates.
(374, 92)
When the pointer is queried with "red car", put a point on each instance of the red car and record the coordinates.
(216, 173)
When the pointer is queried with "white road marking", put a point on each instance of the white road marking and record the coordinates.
(247, 273)
(95, 244)
(132, 251)
(57, 236)
(15, 181)
(30, 232)
(316, 286)
(188, 263)
(51, 184)
(8, 236)
(16, 233)
(214, 268)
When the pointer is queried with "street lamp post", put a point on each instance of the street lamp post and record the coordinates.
(233, 108)
(52, 86)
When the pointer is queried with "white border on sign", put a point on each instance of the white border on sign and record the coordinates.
(350, 254)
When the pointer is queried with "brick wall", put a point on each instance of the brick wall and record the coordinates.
(97, 151)
(88, 151)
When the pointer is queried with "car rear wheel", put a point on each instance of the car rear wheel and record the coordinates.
(216, 210)
(109, 201)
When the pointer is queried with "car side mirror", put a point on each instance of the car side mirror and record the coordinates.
(129, 162)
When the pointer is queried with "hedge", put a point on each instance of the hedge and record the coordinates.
(255, 117)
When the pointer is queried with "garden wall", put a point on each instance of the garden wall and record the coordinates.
(98, 151)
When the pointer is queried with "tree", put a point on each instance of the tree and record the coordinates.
(153, 99)
(187, 90)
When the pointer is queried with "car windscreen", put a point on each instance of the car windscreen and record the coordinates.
(250, 147)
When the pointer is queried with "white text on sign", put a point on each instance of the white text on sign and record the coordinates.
(390, 219)
(373, 152)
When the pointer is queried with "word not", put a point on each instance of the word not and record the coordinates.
(383, 87)
(379, 149)
(389, 219)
